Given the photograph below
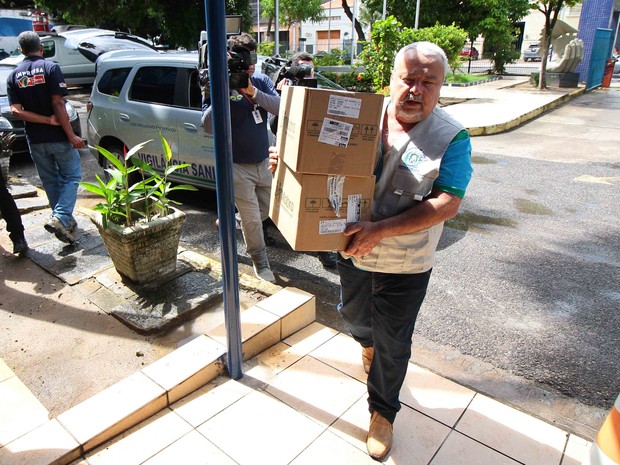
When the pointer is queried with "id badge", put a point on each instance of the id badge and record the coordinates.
(256, 114)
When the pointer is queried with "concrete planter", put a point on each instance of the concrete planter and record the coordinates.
(146, 251)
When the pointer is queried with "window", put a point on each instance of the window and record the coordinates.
(154, 84)
(112, 81)
(49, 48)
(195, 94)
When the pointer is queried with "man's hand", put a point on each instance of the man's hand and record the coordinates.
(249, 90)
(274, 158)
(76, 141)
(366, 235)
(284, 82)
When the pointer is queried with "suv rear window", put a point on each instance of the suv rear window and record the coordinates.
(112, 81)
(154, 84)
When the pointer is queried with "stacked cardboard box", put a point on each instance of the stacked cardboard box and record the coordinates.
(328, 142)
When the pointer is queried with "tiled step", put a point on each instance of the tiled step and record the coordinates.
(153, 389)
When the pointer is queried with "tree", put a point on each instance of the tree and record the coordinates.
(493, 19)
(178, 23)
(359, 28)
(292, 11)
(389, 35)
(551, 9)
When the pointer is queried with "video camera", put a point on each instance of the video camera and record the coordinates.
(297, 75)
(239, 60)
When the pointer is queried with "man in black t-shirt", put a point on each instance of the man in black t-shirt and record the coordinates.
(36, 90)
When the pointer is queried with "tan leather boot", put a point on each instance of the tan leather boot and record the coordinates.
(367, 355)
(379, 440)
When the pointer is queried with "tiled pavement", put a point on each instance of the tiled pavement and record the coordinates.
(302, 400)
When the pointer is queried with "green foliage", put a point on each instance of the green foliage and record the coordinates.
(266, 48)
(174, 23)
(293, 10)
(354, 82)
(388, 36)
(464, 78)
(147, 199)
(493, 19)
(334, 57)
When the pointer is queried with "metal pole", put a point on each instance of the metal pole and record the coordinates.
(258, 20)
(222, 139)
(353, 30)
(384, 2)
(417, 14)
(329, 25)
(276, 48)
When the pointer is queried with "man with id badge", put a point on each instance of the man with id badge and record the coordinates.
(250, 105)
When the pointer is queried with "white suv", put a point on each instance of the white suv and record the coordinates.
(136, 95)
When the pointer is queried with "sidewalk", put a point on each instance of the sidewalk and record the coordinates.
(302, 397)
(501, 105)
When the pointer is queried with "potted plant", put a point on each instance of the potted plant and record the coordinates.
(137, 221)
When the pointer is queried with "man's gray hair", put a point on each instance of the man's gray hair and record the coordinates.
(427, 49)
(29, 42)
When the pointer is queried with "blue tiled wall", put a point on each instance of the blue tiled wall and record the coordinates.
(594, 14)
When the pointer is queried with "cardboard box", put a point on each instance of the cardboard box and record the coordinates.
(312, 210)
(324, 131)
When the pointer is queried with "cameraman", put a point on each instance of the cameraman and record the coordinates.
(305, 61)
(249, 108)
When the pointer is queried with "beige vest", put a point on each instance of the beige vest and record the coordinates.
(409, 169)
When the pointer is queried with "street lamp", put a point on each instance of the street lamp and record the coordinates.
(353, 29)
(417, 14)
(258, 19)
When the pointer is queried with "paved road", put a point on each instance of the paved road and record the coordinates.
(527, 276)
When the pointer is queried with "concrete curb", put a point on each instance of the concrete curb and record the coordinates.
(506, 126)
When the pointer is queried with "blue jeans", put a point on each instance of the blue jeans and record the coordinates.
(58, 164)
(380, 310)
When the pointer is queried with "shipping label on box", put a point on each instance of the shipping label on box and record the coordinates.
(324, 131)
(312, 211)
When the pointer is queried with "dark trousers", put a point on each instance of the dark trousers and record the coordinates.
(380, 310)
(10, 212)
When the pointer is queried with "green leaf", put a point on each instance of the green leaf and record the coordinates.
(172, 168)
(111, 158)
(182, 187)
(166, 147)
(135, 149)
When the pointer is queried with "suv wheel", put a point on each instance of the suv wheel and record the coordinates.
(116, 148)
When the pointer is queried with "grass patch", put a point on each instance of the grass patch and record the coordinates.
(465, 78)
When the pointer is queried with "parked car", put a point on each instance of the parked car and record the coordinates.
(8, 121)
(469, 52)
(532, 53)
(138, 93)
(76, 50)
